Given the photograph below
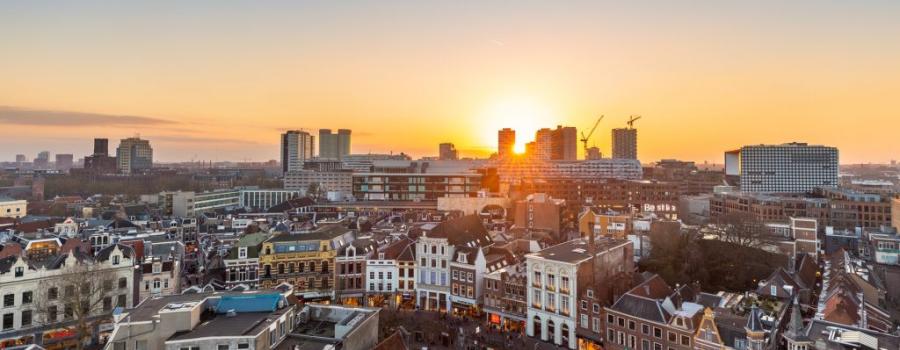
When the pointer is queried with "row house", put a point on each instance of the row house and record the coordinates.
(390, 274)
(467, 269)
(435, 248)
(160, 266)
(350, 269)
(504, 297)
(654, 316)
(554, 275)
(47, 293)
(305, 259)
(242, 262)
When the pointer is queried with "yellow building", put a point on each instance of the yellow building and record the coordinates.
(303, 259)
(605, 224)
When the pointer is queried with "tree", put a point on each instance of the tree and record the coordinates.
(81, 296)
(743, 229)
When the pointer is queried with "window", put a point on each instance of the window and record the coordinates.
(596, 308)
(621, 322)
(242, 252)
(9, 300)
(685, 340)
(157, 268)
(657, 346)
(611, 319)
(222, 347)
(107, 303)
(590, 293)
(52, 313)
(657, 332)
(645, 344)
(673, 337)
(469, 276)
(631, 325)
(26, 318)
(596, 325)
(584, 304)
(68, 313)
(632, 342)
(115, 260)
(537, 278)
(645, 329)
(120, 300)
(52, 293)
(443, 264)
(371, 275)
(70, 290)
(610, 335)
(584, 321)
(455, 275)
(244, 346)
(7, 321)
(564, 304)
(123, 283)
(20, 271)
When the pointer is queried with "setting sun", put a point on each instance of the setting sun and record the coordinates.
(524, 114)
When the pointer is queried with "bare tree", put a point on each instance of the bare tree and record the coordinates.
(743, 229)
(82, 296)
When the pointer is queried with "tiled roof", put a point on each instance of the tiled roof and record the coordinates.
(641, 307)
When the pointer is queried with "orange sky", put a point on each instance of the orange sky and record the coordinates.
(219, 82)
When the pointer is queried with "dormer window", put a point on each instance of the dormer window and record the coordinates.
(242, 252)
(115, 260)
(157, 268)
(380, 256)
(20, 271)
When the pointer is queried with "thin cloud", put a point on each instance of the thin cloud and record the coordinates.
(38, 117)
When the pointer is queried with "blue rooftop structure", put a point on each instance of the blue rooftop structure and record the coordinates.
(248, 303)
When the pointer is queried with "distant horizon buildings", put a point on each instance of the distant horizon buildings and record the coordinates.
(296, 148)
(64, 161)
(786, 168)
(506, 142)
(334, 145)
(624, 143)
(447, 151)
(100, 161)
(133, 155)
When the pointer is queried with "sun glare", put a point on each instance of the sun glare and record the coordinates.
(525, 115)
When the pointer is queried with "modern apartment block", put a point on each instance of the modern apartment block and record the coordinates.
(517, 172)
(334, 145)
(189, 203)
(506, 141)
(564, 143)
(134, 155)
(414, 186)
(296, 148)
(336, 181)
(624, 143)
(790, 167)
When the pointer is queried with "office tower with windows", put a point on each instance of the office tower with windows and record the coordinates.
(786, 168)
(296, 148)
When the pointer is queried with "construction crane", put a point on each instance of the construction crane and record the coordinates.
(584, 138)
(631, 119)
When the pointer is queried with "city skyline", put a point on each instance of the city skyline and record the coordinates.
(706, 79)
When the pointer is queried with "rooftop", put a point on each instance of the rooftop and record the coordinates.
(576, 250)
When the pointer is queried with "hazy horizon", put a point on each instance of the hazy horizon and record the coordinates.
(221, 80)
